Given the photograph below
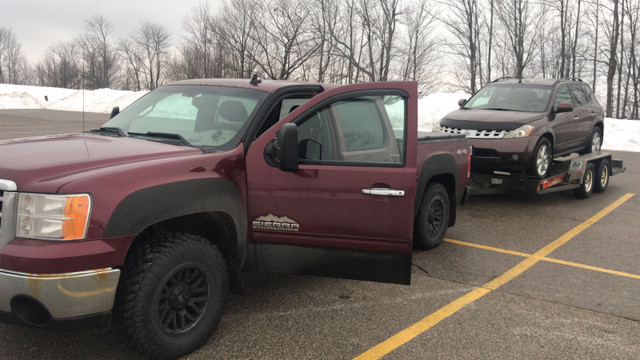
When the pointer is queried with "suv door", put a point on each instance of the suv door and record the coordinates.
(348, 209)
(564, 124)
(584, 113)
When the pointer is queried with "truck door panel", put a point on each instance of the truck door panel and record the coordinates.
(324, 219)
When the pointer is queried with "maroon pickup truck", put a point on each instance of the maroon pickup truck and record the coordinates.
(151, 218)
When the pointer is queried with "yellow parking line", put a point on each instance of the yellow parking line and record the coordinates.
(426, 323)
(552, 260)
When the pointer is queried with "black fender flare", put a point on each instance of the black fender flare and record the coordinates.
(145, 207)
(445, 167)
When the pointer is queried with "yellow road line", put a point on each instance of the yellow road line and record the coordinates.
(426, 323)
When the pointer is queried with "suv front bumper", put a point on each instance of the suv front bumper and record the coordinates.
(40, 299)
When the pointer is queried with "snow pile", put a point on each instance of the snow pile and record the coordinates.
(36, 97)
(432, 108)
(621, 135)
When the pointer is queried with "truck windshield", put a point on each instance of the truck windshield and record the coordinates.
(199, 116)
(511, 98)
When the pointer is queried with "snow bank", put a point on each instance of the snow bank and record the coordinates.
(623, 135)
(36, 97)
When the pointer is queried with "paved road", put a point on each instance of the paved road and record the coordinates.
(520, 276)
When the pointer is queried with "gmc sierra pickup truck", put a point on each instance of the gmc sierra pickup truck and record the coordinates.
(147, 222)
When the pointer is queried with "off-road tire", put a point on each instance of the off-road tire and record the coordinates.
(171, 295)
(433, 217)
(603, 174)
(541, 159)
(588, 183)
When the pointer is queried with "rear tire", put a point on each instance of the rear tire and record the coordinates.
(603, 173)
(541, 160)
(595, 142)
(171, 295)
(588, 183)
(433, 217)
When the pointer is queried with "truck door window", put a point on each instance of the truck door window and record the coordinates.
(359, 130)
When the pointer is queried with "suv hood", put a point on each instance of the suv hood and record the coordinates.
(478, 119)
(35, 163)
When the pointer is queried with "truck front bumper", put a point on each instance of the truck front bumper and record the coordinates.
(45, 299)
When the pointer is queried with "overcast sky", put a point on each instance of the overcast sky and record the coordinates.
(38, 24)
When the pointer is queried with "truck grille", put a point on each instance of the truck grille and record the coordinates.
(475, 134)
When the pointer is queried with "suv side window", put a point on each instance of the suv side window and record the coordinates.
(587, 92)
(365, 129)
(579, 95)
(563, 95)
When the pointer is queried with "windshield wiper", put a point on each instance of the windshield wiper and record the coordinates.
(497, 109)
(110, 130)
(161, 135)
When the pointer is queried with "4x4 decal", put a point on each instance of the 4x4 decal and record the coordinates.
(275, 223)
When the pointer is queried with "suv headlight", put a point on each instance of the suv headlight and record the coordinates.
(522, 131)
(437, 128)
(53, 217)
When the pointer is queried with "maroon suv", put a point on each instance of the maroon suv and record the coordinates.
(520, 125)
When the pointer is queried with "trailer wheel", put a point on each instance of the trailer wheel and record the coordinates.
(171, 295)
(588, 183)
(433, 217)
(542, 157)
(603, 173)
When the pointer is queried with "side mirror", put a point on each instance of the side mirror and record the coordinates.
(564, 107)
(461, 102)
(282, 151)
(115, 111)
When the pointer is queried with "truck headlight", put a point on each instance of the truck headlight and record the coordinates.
(522, 131)
(437, 128)
(53, 217)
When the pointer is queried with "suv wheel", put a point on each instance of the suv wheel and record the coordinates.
(542, 156)
(595, 142)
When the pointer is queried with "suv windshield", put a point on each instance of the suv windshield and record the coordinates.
(200, 116)
(511, 98)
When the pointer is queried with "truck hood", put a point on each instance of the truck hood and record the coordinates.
(478, 119)
(35, 164)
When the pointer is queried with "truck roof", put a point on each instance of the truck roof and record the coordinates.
(265, 85)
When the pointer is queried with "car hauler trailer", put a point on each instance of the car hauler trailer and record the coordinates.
(583, 174)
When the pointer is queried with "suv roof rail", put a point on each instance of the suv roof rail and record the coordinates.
(568, 79)
(507, 78)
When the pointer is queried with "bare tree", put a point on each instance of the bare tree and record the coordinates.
(147, 54)
(61, 66)
(520, 25)
(235, 27)
(199, 47)
(612, 33)
(13, 64)
(283, 38)
(100, 56)
(462, 20)
(419, 55)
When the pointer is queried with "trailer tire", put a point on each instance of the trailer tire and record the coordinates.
(603, 174)
(171, 295)
(588, 183)
(433, 217)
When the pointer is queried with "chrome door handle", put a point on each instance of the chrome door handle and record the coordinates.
(383, 192)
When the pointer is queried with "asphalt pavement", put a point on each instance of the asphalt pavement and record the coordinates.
(520, 276)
